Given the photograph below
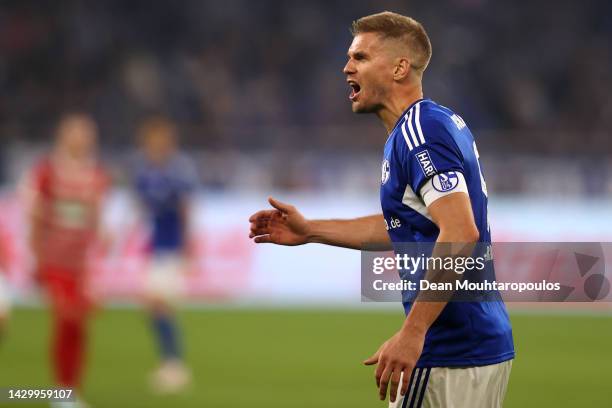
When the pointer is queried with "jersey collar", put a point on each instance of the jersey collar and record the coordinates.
(404, 113)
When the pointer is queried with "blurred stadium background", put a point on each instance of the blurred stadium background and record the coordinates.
(257, 92)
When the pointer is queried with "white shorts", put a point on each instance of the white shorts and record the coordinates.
(460, 387)
(165, 277)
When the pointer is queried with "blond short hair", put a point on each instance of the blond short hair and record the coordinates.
(399, 27)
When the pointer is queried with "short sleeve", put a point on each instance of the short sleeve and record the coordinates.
(434, 152)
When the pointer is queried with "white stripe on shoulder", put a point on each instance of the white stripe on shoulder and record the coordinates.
(406, 136)
(410, 128)
(417, 121)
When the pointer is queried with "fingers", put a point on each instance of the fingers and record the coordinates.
(395, 381)
(405, 381)
(389, 372)
(263, 239)
(258, 229)
(256, 233)
(286, 208)
(383, 382)
(378, 373)
(263, 224)
(260, 222)
(261, 215)
(372, 360)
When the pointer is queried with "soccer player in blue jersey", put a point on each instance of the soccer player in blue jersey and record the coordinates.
(446, 354)
(164, 181)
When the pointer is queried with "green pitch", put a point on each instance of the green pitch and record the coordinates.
(300, 358)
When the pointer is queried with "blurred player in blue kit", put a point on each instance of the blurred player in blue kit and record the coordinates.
(164, 180)
(446, 354)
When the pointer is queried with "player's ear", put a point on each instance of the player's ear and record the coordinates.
(402, 69)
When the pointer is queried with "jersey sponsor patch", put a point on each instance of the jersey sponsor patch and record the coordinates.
(426, 164)
(385, 171)
(445, 181)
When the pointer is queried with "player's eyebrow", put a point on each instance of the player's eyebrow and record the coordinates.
(357, 55)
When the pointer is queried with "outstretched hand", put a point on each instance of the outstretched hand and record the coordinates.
(284, 225)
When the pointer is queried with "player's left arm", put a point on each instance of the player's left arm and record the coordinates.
(189, 185)
(453, 215)
(186, 222)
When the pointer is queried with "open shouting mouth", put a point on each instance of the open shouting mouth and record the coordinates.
(355, 90)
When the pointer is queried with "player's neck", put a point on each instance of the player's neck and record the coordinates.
(396, 105)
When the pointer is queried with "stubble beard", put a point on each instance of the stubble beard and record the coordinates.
(372, 107)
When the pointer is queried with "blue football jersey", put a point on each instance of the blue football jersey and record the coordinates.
(163, 190)
(430, 140)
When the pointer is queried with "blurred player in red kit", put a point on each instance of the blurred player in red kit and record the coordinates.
(68, 186)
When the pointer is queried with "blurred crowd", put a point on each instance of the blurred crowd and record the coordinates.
(265, 76)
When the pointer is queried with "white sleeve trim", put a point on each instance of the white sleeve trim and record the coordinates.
(443, 184)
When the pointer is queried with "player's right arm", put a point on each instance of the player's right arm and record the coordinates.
(285, 225)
